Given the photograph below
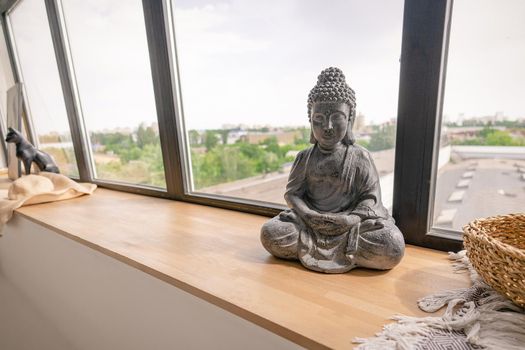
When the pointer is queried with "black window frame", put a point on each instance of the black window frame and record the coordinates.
(426, 31)
(426, 27)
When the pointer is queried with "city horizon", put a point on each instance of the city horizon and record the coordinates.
(497, 117)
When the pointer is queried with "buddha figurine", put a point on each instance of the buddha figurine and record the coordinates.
(336, 221)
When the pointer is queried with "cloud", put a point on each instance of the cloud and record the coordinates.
(254, 62)
(485, 71)
(202, 32)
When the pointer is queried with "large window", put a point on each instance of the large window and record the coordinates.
(246, 68)
(111, 60)
(482, 154)
(212, 94)
(39, 74)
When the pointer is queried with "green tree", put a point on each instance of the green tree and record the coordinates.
(118, 143)
(492, 137)
(269, 162)
(112, 138)
(151, 155)
(210, 140)
(250, 150)
(363, 143)
(499, 138)
(224, 136)
(220, 165)
(128, 154)
(304, 136)
(384, 138)
(271, 145)
(194, 137)
(146, 136)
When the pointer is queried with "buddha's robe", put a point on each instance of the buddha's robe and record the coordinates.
(352, 187)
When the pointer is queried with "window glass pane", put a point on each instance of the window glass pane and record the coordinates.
(111, 59)
(39, 73)
(6, 81)
(6, 76)
(246, 68)
(482, 156)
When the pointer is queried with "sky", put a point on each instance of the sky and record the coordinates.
(109, 50)
(486, 70)
(254, 62)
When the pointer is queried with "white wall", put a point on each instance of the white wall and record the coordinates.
(500, 152)
(444, 156)
(58, 294)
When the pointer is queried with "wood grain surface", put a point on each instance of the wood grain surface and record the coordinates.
(215, 254)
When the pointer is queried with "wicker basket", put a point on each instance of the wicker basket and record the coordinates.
(496, 249)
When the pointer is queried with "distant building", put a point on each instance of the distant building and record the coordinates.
(125, 131)
(235, 135)
(283, 137)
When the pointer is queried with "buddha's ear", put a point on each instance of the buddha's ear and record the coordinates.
(349, 138)
(312, 137)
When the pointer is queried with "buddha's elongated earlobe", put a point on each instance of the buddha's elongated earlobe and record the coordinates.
(349, 138)
(312, 137)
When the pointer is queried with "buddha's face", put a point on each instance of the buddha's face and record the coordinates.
(329, 123)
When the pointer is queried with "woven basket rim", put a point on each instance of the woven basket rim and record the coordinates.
(473, 232)
(499, 264)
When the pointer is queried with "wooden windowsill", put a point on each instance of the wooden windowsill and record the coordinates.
(215, 254)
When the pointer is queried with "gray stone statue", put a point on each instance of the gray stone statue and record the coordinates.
(336, 220)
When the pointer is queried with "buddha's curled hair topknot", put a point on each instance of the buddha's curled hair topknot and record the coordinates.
(331, 87)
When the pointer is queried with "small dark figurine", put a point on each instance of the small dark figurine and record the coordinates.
(336, 220)
(28, 154)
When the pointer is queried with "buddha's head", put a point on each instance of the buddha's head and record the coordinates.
(331, 110)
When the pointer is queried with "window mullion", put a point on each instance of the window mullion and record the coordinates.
(76, 124)
(155, 21)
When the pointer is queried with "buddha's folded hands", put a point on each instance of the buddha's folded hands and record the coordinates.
(371, 225)
(288, 216)
(333, 223)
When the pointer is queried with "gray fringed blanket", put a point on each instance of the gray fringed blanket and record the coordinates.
(476, 318)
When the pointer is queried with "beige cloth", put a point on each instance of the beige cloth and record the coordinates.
(41, 188)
